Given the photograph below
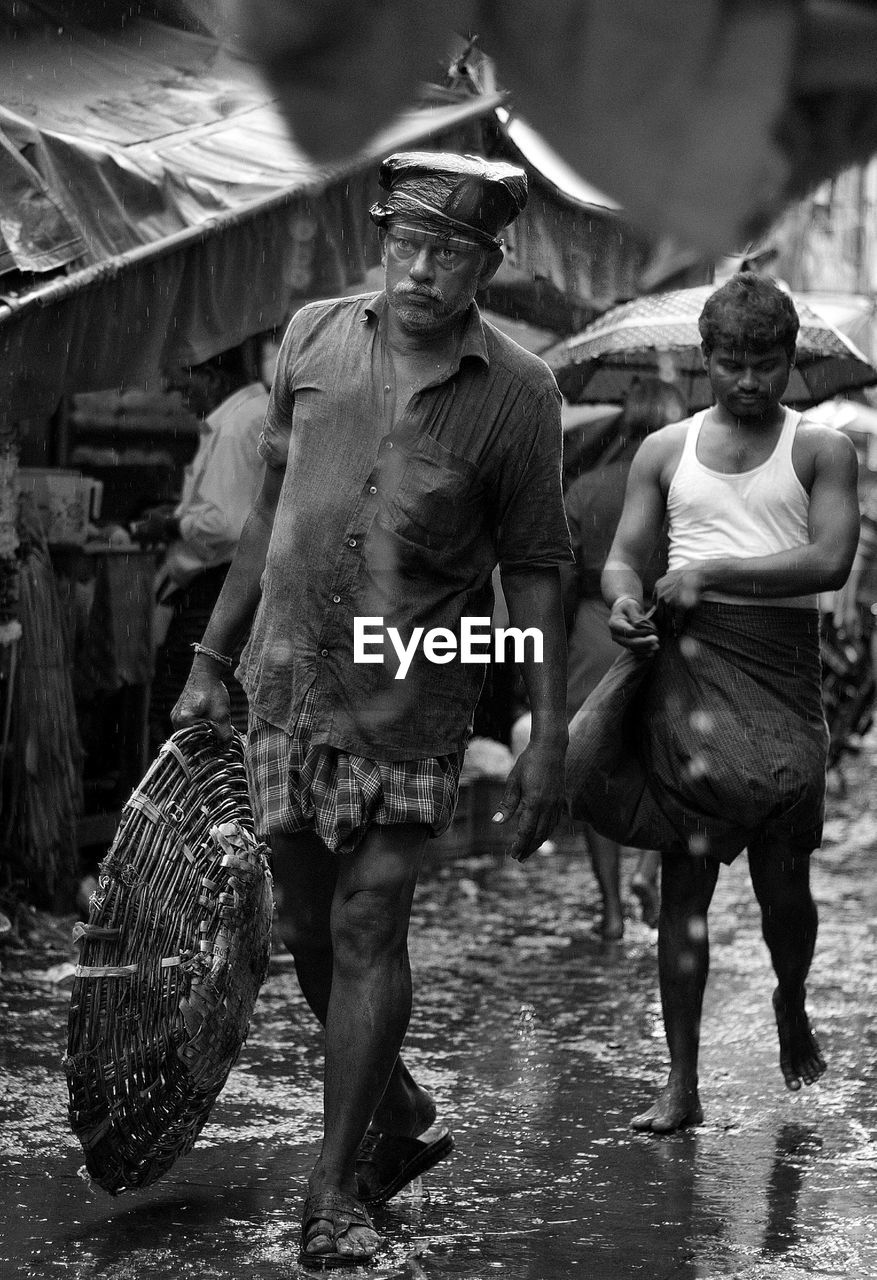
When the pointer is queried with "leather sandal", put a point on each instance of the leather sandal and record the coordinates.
(332, 1214)
(385, 1163)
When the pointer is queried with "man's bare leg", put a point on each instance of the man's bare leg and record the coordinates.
(687, 886)
(370, 1001)
(606, 864)
(346, 921)
(305, 875)
(789, 920)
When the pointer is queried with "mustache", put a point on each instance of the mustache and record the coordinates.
(418, 291)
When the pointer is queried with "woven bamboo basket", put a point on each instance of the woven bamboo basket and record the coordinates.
(172, 957)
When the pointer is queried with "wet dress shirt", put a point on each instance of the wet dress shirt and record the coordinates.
(398, 520)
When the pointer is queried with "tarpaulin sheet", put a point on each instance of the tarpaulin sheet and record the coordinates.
(143, 134)
(196, 219)
(142, 314)
(189, 219)
(34, 233)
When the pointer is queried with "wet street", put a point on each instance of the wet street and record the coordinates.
(539, 1042)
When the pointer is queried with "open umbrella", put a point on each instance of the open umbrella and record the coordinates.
(657, 336)
(846, 415)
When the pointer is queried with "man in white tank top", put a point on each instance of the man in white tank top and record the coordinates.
(729, 735)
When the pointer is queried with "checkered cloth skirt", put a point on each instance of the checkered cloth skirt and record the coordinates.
(297, 787)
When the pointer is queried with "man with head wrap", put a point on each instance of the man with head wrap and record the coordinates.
(410, 447)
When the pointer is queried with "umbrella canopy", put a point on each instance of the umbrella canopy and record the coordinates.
(657, 336)
(846, 415)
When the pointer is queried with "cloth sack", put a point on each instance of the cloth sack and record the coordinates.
(718, 738)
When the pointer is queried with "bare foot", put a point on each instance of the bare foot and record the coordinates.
(610, 926)
(675, 1108)
(801, 1060)
(649, 899)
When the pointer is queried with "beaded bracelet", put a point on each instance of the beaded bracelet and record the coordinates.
(211, 653)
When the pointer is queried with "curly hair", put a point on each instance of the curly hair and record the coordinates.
(749, 311)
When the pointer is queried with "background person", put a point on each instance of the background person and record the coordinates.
(854, 646)
(410, 447)
(593, 501)
(710, 734)
(220, 485)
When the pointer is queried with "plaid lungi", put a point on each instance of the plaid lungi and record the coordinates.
(296, 786)
(717, 741)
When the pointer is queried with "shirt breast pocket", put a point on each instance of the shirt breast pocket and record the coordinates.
(437, 500)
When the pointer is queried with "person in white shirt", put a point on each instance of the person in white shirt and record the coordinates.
(221, 484)
(708, 735)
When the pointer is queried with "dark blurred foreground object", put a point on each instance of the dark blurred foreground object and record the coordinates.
(173, 955)
(703, 118)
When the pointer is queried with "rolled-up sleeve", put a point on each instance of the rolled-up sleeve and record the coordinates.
(277, 428)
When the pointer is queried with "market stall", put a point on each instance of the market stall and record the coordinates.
(154, 214)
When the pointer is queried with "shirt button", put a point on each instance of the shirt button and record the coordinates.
(324, 653)
(351, 542)
(336, 599)
(373, 488)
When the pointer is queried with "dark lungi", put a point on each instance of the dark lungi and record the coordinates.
(717, 740)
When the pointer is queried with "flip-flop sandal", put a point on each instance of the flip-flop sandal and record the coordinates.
(341, 1212)
(385, 1163)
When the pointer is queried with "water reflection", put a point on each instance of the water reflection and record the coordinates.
(795, 1144)
(539, 1044)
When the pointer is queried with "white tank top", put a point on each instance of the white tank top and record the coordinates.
(714, 514)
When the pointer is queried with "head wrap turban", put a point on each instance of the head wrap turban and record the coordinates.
(459, 201)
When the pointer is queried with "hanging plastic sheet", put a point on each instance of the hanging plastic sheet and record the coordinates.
(187, 217)
(35, 235)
